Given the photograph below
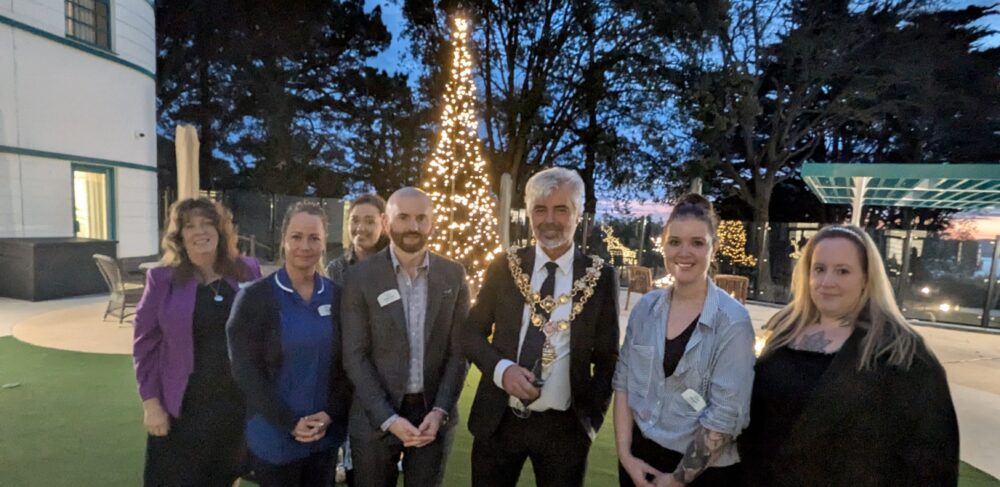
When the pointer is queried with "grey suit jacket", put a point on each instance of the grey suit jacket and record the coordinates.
(376, 347)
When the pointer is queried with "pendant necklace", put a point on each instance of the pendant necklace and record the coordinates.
(215, 290)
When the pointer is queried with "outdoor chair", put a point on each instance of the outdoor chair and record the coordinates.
(736, 286)
(640, 280)
(122, 297)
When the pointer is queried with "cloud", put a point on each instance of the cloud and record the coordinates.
(655, 210)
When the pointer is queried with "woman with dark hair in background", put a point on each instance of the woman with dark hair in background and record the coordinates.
(366, 224)
(682, 384)
(285, 347)
(192, 408)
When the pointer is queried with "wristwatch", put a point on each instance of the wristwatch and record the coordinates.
(444, 415)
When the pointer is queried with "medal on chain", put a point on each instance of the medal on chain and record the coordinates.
(579, 294)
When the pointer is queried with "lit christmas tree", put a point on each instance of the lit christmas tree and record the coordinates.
(456, 176)
(733, 244)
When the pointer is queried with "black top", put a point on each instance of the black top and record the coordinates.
(777, 402)
(675, 347)
(820, 420)
(211, 372)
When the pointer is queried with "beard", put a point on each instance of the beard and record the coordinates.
(399, 238)
(552, 242)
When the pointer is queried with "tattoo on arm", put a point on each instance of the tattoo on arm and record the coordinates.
(700, 454)
(816, 342)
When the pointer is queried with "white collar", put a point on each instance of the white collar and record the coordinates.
(277, 280)
(565, 261)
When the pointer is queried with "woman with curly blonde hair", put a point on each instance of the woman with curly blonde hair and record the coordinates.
(192, 408)
(845, 391)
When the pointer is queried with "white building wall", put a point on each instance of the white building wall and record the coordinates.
(132, 25)
(46, 198)
(137, 212)
(48, 15)
(8, 89)
(10, 196)
(60, 99)
(71, 102)
(133, 33)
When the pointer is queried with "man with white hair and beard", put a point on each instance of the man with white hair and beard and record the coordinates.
(546, 374)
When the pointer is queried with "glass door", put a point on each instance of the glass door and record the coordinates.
(93, 214)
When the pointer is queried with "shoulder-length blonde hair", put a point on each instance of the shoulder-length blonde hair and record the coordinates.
(889, 334)
(227, 263)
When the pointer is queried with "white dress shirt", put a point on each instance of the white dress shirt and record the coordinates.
(556, 393)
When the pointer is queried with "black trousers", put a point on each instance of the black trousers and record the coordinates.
(316, 470)
(666, 460)
(375, 454)
(555, 441)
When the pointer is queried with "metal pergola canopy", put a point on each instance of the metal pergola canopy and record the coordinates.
(955, 186)
(951, 186)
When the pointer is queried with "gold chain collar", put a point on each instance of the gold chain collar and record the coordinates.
(584, 285)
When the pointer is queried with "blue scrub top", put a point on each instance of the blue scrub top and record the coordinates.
(303, 381)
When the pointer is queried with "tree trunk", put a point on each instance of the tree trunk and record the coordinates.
(761, 217)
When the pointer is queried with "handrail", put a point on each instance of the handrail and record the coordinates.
(252, 240)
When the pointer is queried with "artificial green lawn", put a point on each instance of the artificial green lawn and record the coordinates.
(75, 420)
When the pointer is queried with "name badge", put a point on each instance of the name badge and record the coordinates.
(388, 297)
(324, 310)
(694, 399)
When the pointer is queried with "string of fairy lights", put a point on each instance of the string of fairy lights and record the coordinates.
(456, 175)
(615, 246)
(733, 243)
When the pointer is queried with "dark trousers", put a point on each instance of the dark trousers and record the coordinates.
(666, 460)
(555, 441)
(376, 454)
(316, 470)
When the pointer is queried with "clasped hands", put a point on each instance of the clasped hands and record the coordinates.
(311, 428)
(418, 437)
(640, 472)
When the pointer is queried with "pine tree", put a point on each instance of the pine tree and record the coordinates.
(456, 176)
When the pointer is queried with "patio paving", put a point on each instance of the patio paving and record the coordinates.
(77, 328)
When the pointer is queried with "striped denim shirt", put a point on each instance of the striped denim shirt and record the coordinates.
(717, 364)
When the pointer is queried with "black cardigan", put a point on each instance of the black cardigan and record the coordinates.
(881, 427)
(254, 332)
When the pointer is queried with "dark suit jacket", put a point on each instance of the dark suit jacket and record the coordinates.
(499, 312)
(254, 332)
(376, 344)
(880, 427)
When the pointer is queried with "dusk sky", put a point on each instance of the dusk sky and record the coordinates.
(397, 58)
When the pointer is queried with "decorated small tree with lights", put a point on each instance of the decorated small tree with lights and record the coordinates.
(733, 246)
(456, 177)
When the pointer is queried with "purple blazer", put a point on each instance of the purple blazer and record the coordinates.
(163, 349)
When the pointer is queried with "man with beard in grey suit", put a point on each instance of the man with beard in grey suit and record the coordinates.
(401, 310)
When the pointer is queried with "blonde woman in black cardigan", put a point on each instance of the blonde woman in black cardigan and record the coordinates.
(845, 391)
